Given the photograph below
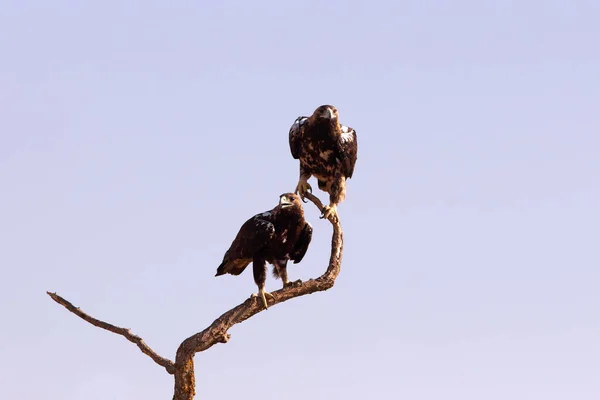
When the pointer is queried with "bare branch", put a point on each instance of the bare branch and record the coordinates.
(217, 331)
(163, 362)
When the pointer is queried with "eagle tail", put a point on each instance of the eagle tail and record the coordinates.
(233, 267)
(221, 268)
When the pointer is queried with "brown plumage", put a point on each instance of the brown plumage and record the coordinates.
(326, 149)
(274, 236)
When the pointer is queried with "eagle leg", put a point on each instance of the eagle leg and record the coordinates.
(263, 295)
(260, 275)
(329, 212)
(282, 269)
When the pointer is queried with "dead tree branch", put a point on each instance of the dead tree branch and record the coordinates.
(126, 333)
(183, 368)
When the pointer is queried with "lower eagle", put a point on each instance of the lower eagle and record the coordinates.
(274, 236)
(326, 149)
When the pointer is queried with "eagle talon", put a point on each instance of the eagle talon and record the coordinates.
(329, 212)
(263, 295)
(302, 188)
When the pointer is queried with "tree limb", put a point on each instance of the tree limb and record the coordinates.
(126, 333)
(183, 368)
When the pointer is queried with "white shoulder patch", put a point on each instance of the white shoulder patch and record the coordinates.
(347, 134)
(266, 214)
(299, 122)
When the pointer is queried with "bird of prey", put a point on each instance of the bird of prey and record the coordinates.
(274, 236)
(327, 150)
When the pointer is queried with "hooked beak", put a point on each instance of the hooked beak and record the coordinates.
(328, 113)
(284, 202)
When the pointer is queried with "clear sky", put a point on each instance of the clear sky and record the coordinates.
(137, 136)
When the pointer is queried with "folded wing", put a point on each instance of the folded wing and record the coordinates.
(347, 150)
(255, 234)
(302, 243)
(295, 136)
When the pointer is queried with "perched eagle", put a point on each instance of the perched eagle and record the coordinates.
(274, 236)
(327, 150)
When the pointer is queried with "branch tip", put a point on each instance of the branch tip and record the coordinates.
(125, 332)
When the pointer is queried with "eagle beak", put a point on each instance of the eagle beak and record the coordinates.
(328, 113)
(285, 202)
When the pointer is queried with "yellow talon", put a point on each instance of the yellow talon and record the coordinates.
(302, 188)
(263, 295)
(329, 212)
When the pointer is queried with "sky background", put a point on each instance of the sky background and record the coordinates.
(136, 138)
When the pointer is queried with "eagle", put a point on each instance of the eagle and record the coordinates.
(274, 236)
(327, 150)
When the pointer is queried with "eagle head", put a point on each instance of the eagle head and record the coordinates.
(326, 112)
(289, 200)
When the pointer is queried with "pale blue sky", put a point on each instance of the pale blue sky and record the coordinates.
(136, 138)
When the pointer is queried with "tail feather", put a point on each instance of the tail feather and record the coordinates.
(233, 267)
(221, 269)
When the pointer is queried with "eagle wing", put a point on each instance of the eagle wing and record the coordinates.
(302, 243)
(295, 136)
(347, 150)
(254, 235)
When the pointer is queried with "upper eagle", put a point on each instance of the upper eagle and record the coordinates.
(326, 149)
(274, 236)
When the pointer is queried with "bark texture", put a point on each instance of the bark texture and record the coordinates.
(183, 367)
